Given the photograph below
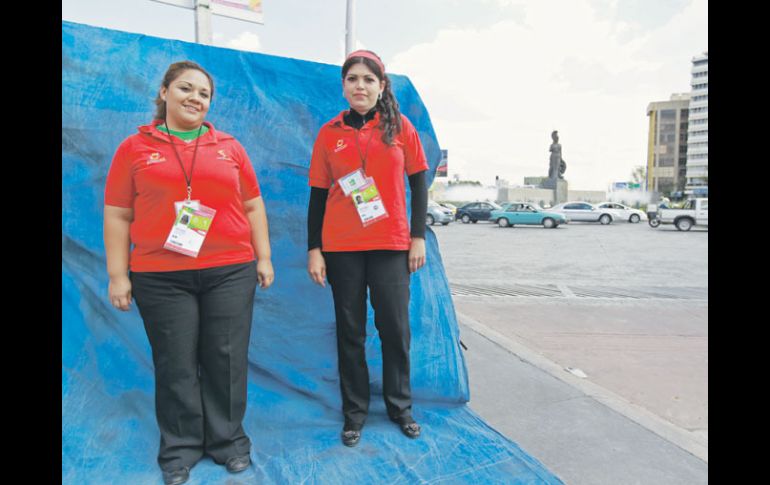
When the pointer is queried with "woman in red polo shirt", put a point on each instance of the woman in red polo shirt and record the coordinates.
(187, 198)
(359, 236)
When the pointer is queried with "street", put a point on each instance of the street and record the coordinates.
(580, 253)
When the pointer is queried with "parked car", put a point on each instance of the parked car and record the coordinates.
(476, 211)
(449, 206)
(583, 211)
(623, 212)
(525, 213)
(694, 213)
(436, 213)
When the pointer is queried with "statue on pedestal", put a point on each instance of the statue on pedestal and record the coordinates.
(558, 165)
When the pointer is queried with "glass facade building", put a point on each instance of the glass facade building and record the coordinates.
(667, 145)
(698, 131)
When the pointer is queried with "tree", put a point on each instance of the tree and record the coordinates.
(465, 182)
(639, 175)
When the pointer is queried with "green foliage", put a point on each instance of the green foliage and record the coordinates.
(456, 203)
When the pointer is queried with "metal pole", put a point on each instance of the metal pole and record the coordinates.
(203, 22)
(350, 28)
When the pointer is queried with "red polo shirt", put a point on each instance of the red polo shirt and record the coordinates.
(335, 154)
(145, 175)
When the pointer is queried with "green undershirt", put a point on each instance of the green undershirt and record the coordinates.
(184, 135)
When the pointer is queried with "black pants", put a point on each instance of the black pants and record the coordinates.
(386, 273)
(198, 323)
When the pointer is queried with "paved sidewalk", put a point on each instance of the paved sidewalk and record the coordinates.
(652, 353)
(574, 434)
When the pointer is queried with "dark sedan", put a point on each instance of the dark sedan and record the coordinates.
(476, 211)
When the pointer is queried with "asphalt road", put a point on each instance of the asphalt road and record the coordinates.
(621, 254)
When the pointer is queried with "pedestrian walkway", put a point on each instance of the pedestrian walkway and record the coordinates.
(583, 433)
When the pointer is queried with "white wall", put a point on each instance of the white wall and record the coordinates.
(521, 194)
(587, 195)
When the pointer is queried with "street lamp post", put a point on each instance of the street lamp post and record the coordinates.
(203, 22)
(350, 28)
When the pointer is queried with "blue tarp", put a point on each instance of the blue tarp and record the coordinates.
(274, 106)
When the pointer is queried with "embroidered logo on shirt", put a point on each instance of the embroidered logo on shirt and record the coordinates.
(223, 155)
(155, 158)
(341, 145)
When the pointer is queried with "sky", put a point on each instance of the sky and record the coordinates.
(497, 76)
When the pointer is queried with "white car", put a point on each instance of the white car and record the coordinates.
(623, 212)
(583, 211)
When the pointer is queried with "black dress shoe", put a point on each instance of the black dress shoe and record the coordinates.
(408, 426)
(175, 477)
(237, 464)
(351, 437)
(412, 429)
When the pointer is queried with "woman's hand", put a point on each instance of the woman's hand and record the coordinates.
(265, 274)
(120, 292)
(316, 266)
(117, 226)
(260, 240)
(416, 254)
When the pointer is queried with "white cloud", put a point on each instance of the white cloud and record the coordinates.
(496, 94)
(342, 46)
(247, 41)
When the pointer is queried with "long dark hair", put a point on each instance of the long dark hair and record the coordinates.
(387, 106)
(174, 71)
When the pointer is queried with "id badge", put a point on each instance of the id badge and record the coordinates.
(352, 181)
(369, 203)
(195, 204)
(190, 229)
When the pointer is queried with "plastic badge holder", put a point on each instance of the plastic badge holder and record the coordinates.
(369, 203)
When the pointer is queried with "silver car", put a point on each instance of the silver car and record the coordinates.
(437, 213)
(623, 212)
(583, 211)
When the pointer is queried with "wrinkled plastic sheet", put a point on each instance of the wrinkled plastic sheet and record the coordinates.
(274, 106)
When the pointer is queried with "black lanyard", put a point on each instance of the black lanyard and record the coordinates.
(179, 159)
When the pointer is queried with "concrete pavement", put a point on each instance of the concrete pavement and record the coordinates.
(575, 434)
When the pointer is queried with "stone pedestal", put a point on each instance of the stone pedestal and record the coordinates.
(560, 189)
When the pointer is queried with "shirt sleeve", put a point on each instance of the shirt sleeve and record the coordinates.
(319, 173)
(414, 156)
(247, 176)
(315, 217)
(119, 190)
(418, 184)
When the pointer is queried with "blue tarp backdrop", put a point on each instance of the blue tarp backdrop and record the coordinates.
(274, 106)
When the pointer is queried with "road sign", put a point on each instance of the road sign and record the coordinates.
(441, 170)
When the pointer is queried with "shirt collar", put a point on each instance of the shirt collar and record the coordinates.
(340, 119)
(211, 136)
(357, 120)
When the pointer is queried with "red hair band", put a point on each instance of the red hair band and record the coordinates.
(368, 55)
